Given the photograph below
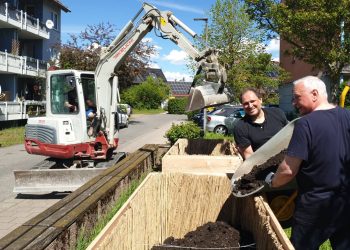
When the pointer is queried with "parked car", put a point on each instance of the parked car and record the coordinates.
(122, 120)
(198, 118)
(127, 108)
(226, 110)
(223, 121)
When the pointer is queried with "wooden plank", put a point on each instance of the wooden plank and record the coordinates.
(44, 239)
(287, 245)
(26, 238)
(12, 236)
(200, 164)
(71, 206)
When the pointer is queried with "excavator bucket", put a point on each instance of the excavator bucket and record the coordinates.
(271, 148)
(206, 95)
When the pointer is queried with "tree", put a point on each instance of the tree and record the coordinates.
(147, 95)
(259, 71)
(83, 52)
(314, 28)
(242, 50)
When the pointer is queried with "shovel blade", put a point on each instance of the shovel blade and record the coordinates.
(271, 148)
(206, 96)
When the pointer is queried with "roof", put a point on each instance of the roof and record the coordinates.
(180, 88)
(155, 73)
(62, 6)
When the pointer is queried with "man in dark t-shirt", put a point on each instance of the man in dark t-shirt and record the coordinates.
(318, 156)
(258, 125)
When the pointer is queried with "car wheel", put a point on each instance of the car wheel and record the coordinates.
(220, 130)
(127, 123)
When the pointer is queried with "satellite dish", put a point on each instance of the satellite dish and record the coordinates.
(49, 24)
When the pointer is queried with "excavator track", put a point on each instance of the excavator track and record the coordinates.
(53, 175)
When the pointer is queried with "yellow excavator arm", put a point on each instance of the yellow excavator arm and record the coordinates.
(343, 95)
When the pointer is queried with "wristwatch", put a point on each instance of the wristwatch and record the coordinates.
(269, 178)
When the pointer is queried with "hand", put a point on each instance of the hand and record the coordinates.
(269, 178)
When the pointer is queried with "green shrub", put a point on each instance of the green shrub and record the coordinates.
(190, 114)
(177, 106)
(186, 130)
(147, 95)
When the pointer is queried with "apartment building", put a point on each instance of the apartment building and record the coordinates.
(29, 29)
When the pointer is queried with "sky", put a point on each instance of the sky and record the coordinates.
(170, 58)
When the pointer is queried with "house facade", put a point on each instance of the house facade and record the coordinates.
(29, 30)
(297, 69)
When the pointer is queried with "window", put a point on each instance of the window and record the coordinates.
(54, 19)
(64, 97)
(88, 84)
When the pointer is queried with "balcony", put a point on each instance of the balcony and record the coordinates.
(29, 27)
(22, 65)
(21, 110)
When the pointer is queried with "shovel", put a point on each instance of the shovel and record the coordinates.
(271, 148)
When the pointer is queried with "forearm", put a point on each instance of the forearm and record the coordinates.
(246, 152)
(286, 171)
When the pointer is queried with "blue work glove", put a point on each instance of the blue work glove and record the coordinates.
(269, 178)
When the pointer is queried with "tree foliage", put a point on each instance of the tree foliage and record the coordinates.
(147, 95)
(242, 50)
(314, 28)
(82, 52)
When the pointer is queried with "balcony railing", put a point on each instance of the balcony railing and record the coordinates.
(21, 20)
(21, 110)
(22, 65)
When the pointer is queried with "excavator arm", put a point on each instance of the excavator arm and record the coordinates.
(211, 92)
(62, 135)
(343, 95)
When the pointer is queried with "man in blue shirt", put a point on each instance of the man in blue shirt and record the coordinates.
(318, 156)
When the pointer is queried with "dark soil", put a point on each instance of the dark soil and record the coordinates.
(210, 235)
(256, 177)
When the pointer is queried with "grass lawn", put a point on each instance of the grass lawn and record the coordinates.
(147, 111)
(211, 135)
(11, 136)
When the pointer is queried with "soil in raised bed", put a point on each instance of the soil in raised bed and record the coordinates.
(210, 235)
(256, 177)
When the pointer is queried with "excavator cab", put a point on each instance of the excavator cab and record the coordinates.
(65, 124)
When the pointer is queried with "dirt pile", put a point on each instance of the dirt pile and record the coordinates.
(256, 178)
(210, 235)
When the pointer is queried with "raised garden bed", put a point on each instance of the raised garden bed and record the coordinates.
(173, 204)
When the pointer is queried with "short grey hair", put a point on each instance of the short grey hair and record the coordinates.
(313, 82)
